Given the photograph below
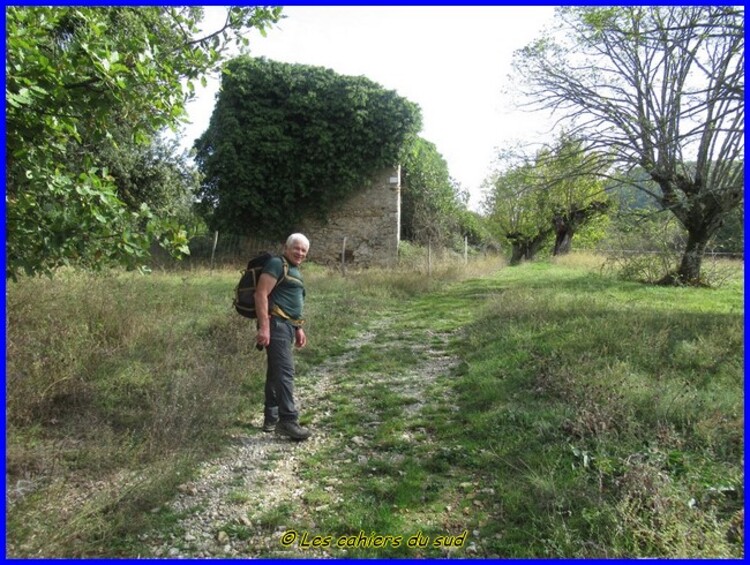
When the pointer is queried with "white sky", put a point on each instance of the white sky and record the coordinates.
(453, 61)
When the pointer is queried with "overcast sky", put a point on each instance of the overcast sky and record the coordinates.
(453, 61)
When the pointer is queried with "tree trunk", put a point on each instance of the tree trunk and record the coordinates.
(689, 271)
(517, 254)
(692, 258)
(525, 248)
(567, 223)
(535, 246)
(702, 214)
(563, 238)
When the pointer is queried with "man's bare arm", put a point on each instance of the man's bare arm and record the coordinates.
(266, 284)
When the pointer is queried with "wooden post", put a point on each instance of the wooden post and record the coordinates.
(466, 250)
(429, 259)
(213, 249)
(343, 257)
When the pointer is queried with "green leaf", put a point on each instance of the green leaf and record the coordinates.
(135, 58)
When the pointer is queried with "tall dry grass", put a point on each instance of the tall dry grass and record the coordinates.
(117, 383)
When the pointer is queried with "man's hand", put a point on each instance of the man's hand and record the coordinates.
(300, 339)
(263, 339)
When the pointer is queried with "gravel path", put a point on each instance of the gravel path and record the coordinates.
(221, 510)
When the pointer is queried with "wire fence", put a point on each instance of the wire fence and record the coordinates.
(710, 254)
(227, 250)
(217, 250)
(224, 250)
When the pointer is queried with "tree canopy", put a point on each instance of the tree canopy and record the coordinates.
(658, 88)
(429, 202)
(532, 202)
(83, 81)
(286, 141)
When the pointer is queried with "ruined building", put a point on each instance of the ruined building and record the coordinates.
(364, 228)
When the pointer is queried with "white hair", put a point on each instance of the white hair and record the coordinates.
(297, 237)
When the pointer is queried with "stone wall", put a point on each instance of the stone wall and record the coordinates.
(369, 220)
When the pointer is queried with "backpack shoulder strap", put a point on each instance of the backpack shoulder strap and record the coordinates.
(284, 272)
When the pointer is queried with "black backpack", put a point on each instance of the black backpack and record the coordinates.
(244, 292)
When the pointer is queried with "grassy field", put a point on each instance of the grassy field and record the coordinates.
(584, 416)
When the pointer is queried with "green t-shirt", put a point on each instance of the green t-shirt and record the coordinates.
(289, 295)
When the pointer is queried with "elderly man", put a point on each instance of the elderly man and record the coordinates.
(279, 307)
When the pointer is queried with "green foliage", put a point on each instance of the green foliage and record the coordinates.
(74, 75)
(513, 205)
(156, 174)
(730, 237)
(593, 233)
(287, 141)
(655, 88)
(476, 228)
(557, 193)
(433, 208)
(429, 202)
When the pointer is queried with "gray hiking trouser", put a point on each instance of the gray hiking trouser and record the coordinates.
(279, 402)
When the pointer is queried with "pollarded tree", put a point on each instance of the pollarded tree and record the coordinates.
(518, 210)
(576, 194)
(551, 197)
(658, 88)
(76, 79)
(287, 141)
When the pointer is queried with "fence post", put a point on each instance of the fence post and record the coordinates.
(343, 257)
(429, 258)
(466, 250)
(213, 249)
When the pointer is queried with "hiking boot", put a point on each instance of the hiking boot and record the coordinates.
(269, 425)
(292, 430)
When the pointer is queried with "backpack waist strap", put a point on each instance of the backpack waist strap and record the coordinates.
(277, 311)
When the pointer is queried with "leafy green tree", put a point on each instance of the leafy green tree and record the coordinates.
(430, 202)
(433, 206)
(654, 87)
(552, 197)
(158, 174)
(730, 238)
(287, 141)
(74, 76)
(475, 228)
(577, 195)
(518, 210)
